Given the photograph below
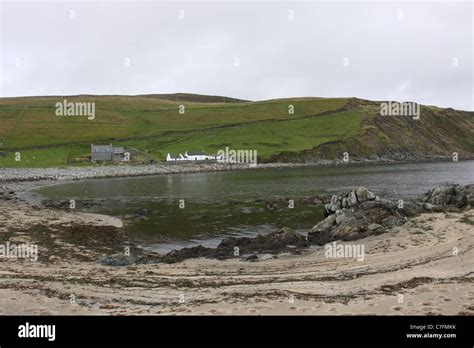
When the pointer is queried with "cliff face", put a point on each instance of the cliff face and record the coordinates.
(438, 133)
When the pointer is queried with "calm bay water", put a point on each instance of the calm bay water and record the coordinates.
(241, 202)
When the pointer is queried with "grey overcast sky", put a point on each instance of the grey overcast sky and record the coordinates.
(405, 51)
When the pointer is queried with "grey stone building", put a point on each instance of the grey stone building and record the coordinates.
(107, 153)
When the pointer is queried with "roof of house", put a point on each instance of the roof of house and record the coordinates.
(102, 148)
(107, 148)
(195, 153)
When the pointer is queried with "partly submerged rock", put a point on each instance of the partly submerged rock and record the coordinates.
(284, 240)
(187, 253)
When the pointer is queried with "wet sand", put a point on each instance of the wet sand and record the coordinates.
(412, 269)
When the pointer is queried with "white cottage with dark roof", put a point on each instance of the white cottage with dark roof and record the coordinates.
(191, 156)
(196, 156)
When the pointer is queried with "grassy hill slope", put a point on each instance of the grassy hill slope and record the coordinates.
(152, 125)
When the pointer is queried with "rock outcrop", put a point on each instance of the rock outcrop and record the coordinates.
(284, 240)
(360, 213)
(357, 214)
(349, 200)
(448, 196)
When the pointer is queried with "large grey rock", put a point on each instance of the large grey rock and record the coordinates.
(363, 214)
(364, 195)
(350, 200)
(360, 213)
(448, 196)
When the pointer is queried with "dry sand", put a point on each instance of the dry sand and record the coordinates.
(413, 269)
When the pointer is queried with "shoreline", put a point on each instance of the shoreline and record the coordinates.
(13, 174)
(23, 178)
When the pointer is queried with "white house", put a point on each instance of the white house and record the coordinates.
(196, 156)
(171, 158)
(191, 156)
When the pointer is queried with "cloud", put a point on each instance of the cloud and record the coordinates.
(417, 51)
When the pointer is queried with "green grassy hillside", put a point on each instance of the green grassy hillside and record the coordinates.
(152, 125)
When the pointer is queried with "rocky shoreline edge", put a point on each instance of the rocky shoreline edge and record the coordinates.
(30, 175)
(354, 215)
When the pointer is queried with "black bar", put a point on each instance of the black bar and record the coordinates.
(241, 330)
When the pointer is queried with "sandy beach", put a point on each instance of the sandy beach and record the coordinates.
(425, 266)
